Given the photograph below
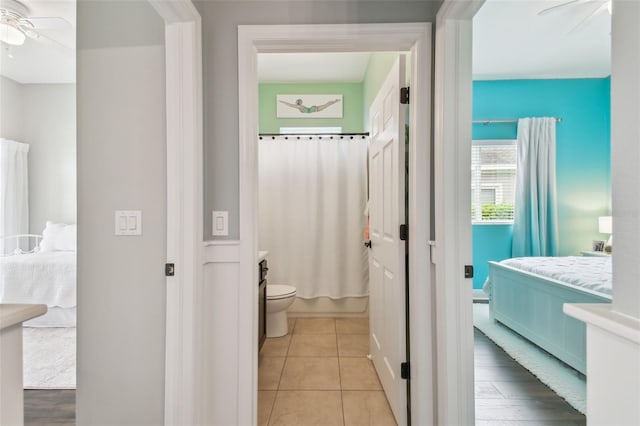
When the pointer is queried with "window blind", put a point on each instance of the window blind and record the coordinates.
(493, 178)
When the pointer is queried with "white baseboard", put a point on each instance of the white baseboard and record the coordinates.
(479, 296)
(326, 307)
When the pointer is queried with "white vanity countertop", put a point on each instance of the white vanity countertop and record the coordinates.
(11, 314)
(262, 255)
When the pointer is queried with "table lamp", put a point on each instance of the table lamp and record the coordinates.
(605, 226)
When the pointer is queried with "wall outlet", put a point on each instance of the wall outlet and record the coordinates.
(220, 223)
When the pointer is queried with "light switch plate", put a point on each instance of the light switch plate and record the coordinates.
(128, 222)
(220, 223)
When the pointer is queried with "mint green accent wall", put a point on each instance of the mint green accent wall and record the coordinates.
(351, 121)
(583, 163)
(379, 66)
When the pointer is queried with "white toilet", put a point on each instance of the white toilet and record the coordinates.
(279, 298)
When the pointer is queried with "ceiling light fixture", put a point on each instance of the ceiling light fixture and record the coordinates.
(10, 34)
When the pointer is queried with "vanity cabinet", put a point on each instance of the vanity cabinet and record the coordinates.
(262, 302)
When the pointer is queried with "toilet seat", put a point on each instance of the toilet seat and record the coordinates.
(278, 291)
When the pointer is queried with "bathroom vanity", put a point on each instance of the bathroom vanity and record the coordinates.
(262, 297)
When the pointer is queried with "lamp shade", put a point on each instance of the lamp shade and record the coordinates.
(605, 225)
(11, 35)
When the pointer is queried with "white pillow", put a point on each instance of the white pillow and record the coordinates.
(58, 237)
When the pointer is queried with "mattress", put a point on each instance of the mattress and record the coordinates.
(592, 273)
(45, 277)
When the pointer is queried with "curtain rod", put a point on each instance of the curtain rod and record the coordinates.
(314, 134)
(299, 135)
(506, 120)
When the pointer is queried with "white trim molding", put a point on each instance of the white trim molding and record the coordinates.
(452, 166)
(183, 360)
(413, 37)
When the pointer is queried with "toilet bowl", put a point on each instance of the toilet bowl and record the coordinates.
(279, 298)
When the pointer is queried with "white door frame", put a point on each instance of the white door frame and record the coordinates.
(413, 37)
(183, 73)
(452, 190)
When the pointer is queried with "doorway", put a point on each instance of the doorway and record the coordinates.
(345, 38)
(313, 214)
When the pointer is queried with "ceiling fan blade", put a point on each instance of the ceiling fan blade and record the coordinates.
(589, 17)
(558, 6)
(50, 23)
(39, 37)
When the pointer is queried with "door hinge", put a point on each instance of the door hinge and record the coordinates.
(404, 95)
(468, 271)
(405, 370)
(404, 232)
(169, 269)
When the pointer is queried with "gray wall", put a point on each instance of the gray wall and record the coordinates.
(43, 115)
(220, 39)
(50, 131)
(121, 165)
(11, 110)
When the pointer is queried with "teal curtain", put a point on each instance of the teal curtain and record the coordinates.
(535, 223)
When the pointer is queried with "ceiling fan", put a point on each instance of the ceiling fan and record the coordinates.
(593, 8)
(16, 25)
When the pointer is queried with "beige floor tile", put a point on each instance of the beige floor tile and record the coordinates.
(353, 344)
(313, 345)
(307, 408)
(276, 346)
(366, 408)
(269, 372)
(265, 404)
(315, 326)
(352, 325)
(358, 374)
(310, 373)
(291, 322)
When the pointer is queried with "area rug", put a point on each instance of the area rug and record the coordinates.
(49, 358)
(562, 379)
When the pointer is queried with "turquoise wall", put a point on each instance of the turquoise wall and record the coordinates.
(583, 163)
(490, 242)
(351, 121)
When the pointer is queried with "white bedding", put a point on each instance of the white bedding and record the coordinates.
(593, 273)
(45, 277)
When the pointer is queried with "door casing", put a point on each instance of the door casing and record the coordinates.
(184, 118)
(412, 37)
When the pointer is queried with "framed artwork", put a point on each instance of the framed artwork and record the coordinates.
(309, 106)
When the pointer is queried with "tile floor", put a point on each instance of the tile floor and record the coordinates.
(319, 374)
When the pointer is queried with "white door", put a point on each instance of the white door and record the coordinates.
(387, 253)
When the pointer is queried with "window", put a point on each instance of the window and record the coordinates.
(493, 180)
(310, 130)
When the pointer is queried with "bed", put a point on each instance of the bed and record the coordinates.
(43, 273)
(527, 294)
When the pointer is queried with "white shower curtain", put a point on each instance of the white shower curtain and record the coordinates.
(14, 191)
(312, 199)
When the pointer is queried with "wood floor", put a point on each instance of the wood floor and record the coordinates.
(44, 407)
(506, 395)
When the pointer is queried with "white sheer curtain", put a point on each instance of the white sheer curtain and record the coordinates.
(14, 191)
(535, 222)
(312, 199)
